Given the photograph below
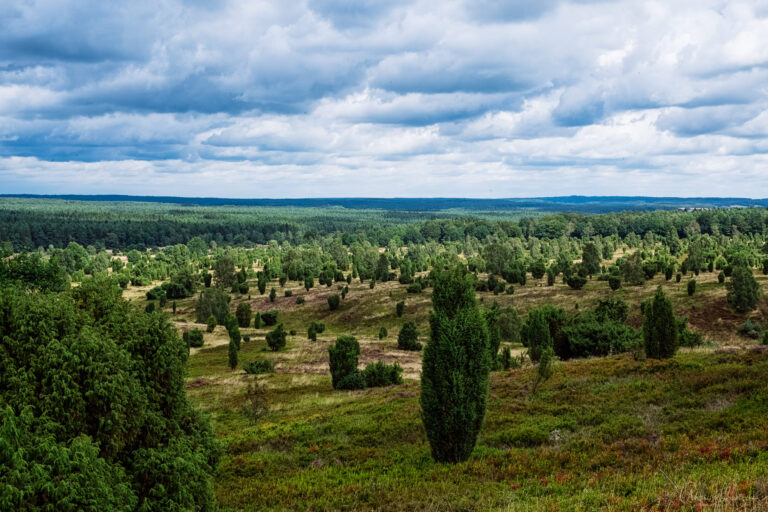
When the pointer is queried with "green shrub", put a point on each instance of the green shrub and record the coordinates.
(276, 338)
(691, 287)
(743, 290)
(751, 329)
(333, 302)
(288, 293)
(660, 334)
(379, 374)
(269, 317)
(576, 282)
(259, 367)
(383, 333)
(414, 288)
(614, 282)
(399, 308)
(351, 382)
(408, 337)
(600, 338)
(300, 300)
(194, 338)
(243, 314)
(211, 324)
(257, 321)
(212, 301)
(455, 368)
(343, 358)
(243, 288)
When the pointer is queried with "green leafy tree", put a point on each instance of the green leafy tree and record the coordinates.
(456, 367)
(743, 290)
(660, 331)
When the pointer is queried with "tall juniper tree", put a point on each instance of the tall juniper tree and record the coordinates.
(455, 369)
(659, 327)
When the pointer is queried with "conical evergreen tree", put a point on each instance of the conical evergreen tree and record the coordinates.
(455, 369)
(659, 327)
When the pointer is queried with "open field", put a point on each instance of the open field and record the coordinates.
(603, 434)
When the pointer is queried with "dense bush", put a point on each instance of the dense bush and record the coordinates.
(379, 374)
(576, 282)
(399, 308)
(93, 412)
(343, 359)
(193, 338)
(269, 317)
(660, 333)
(599, 338)
(408, 337)
(383, 333)
(352, 381)
(260, 366)
(691, 287)
(276, 338)
(243, 314)
(743, 290)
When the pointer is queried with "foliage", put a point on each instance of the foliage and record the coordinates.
(408, 337)
(576, 282)
(455, 368)
(276, 338)
(660, 333)
(212, 302)
(333, 302)
(259, 367)
(243, 314)
(379, 374)
(232, 354)
(691, 287)
(343, 358)
(94, 414)
(399, 308)
(383, 333)
(545, 368)
(193, 338)
(743, 290)
(269, 317)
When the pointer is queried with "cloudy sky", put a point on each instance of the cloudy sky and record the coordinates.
(323, 98)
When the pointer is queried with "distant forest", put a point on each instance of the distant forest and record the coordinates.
(581, 204)
(40, 223)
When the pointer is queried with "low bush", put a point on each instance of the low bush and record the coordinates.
(379, 374)
(269, 317)
(407, 338)
(193, 338)
(259, 367)
(276, 338)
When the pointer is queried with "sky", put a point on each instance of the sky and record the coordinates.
(390, 98)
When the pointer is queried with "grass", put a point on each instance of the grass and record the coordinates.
(611, 433)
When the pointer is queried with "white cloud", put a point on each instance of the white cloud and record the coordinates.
(407, 98)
